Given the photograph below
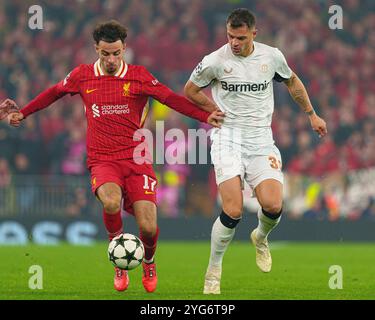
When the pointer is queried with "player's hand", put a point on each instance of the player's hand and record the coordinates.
(6, 107)
(216, 118)
(15, 118)
(318, 125)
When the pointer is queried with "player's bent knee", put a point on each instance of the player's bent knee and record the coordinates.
(146, 220)
(111, 205)
(147, 229)
(273, 208)
(233, 212)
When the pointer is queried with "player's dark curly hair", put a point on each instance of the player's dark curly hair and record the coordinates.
(109, 31)
(241, 17)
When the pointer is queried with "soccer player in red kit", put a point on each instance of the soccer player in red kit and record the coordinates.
(115, 96)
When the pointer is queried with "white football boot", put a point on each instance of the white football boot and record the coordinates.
(212, 280)
(263, 255)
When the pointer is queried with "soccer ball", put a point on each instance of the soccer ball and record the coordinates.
(126, 251)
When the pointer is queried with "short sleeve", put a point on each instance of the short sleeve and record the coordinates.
(204, 73)
(282, 70)
(71, 83)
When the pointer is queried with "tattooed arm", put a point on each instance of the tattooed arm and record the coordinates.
(299, 94)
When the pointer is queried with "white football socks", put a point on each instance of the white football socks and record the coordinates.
(148, 261)
(221, 236)
(265, 225)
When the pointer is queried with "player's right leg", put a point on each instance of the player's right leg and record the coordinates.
(106, 184)
(223, 231)
(110, 195)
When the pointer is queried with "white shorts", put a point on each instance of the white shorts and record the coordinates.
(229, 162)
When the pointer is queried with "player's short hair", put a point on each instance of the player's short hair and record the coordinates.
(241, 17)
(109, 31)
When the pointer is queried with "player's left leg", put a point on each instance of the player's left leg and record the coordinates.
(270, 196)
(263, 174)
(145, 214)
(140, 189)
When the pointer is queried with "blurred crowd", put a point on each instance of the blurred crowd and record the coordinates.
(170, 37)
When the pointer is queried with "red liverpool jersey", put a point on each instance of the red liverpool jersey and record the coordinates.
(115, 106)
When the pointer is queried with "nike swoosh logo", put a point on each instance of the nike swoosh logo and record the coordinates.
(228, 70)
(90, 90)
(149, 192)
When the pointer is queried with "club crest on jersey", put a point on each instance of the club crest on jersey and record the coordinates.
(126, 88)
(228, 70)
(264, 68)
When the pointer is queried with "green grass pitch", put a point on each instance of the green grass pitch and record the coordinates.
(300, 271)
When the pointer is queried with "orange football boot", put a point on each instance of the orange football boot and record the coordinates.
(121, 281)
(149, 278)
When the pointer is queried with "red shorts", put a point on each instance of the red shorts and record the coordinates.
(138, 182)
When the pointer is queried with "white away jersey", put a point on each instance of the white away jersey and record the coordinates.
(242, 88)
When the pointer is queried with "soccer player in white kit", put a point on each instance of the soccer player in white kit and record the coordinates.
(241, 75)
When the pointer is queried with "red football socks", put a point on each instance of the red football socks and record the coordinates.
(150, 244)
(113, 224)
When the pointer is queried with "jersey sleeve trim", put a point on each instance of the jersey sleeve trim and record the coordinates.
(277, 77)
(202, 86)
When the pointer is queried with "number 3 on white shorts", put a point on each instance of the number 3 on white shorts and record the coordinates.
(274, 163)
(150, 183)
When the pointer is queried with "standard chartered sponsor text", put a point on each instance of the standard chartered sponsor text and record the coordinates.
(115, 109)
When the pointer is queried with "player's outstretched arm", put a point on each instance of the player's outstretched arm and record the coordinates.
(299, 94)
(43, 100)
(187, 108)
(69, 85)
(195, 94)
(152, 87)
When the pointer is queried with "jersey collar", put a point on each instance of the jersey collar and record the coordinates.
(120, 73)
